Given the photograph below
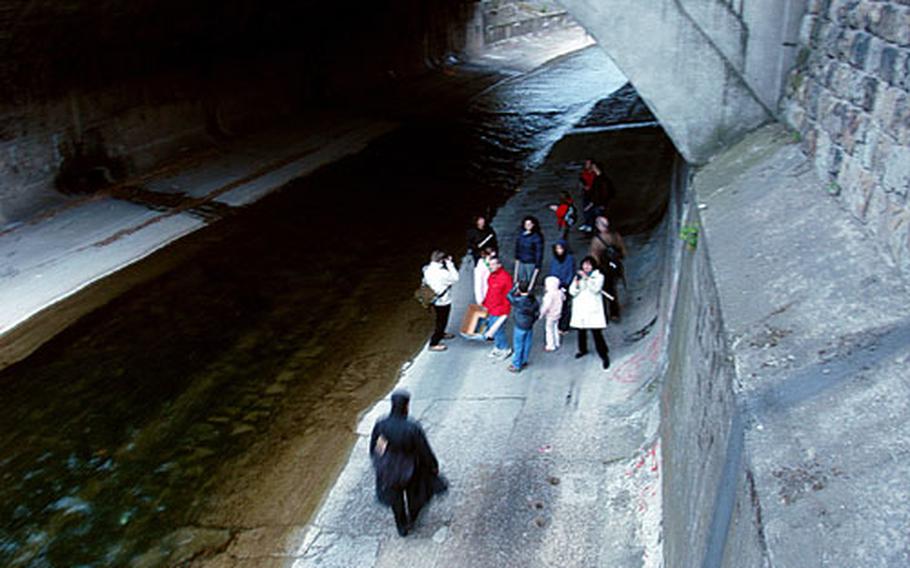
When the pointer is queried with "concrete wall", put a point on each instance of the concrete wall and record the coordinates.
(757, 37)
(107, 90)
(707, 507)
(849, 101)
(710, 70)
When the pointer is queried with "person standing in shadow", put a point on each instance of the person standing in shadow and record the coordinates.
(407, 472)
(480, 236)
(609, 250)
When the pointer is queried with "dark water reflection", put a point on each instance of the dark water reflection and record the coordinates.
(111, 433)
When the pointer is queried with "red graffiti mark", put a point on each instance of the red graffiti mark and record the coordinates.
(633, 369)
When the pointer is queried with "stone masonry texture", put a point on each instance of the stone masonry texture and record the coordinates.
(849, 102)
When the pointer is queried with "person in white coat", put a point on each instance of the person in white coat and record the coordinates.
(588, 309)
(440, 275)
(482, 274)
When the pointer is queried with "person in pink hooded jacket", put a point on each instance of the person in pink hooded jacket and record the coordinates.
(551, 310)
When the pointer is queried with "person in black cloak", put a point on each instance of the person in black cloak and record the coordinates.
(404, 464)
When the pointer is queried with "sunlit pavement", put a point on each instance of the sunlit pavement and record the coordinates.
(526, 52)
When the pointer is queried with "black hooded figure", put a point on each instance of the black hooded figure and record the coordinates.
(404, 464)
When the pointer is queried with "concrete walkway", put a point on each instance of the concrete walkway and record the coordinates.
(555, 466)
(819, 325)
(54, 256)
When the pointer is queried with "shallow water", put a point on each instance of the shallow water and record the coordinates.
(116, 432)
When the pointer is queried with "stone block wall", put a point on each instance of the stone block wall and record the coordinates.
(849, 102)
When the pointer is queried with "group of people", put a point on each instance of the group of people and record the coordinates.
(582, 297)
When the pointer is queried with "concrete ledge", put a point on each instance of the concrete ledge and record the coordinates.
(819, 327)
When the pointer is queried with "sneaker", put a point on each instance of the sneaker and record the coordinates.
(495, 353)
(505, 354)
(439, 347)
(448, 336)
(514, 369)
(471, 336)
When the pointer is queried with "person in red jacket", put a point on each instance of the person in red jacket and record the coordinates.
(497, 304)
(565, 213)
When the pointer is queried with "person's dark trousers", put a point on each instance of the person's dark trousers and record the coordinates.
(587, 213)
(599, 343)
(401, 516)
(405, 518)
(442, 320)
(566, 315)
(415, 503)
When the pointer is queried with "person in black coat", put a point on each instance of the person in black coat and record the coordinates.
(528, 251)
(479, 237)
(404, 464)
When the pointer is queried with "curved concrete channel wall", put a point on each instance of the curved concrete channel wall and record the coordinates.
(784, 404)
(703, 475)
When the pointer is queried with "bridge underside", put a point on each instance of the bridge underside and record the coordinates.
(709, 71)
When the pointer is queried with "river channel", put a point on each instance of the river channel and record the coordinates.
(273, 331)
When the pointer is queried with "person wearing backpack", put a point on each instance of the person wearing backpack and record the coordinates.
(440, 275)
(608, 248)
(525, 310)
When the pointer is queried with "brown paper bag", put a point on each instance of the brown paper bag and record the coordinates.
(472, 316)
